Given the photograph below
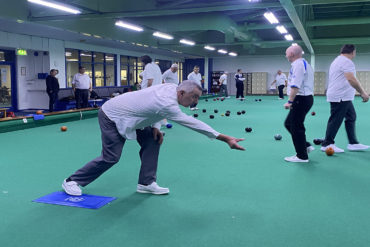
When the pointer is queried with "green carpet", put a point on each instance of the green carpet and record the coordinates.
(219, 197)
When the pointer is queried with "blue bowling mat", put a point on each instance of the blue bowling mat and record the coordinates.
(83, 201)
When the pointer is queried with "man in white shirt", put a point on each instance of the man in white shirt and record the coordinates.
(152, 74)
(81, 85)
(300, 85)
(197, 77)
(340, 93)
(223, 84)
(170, 75)
(239, 83)
(281, 82)
(136, 115)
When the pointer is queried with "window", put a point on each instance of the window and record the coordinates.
(180, 71)
(99, 66)
(130, 70)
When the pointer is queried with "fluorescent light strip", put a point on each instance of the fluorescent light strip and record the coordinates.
(162, 35)
(222, 51)
(129, 26)
(271, 17)
(187, 42)
(281, 29)
(288, 37)
(233, 54)
(207, 47)
(56, 6)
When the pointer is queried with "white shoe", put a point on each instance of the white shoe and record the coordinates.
(228, 97)
(192, 109)
(71, 188)
(152, 188)
(310, 149)
(280, 98)
(335, 148)
(357, 147)
(295, 159)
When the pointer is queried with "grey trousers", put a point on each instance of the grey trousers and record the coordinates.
(112, 145)
(223, 89)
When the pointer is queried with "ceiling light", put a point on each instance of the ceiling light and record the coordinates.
(207, 47)
(129, 26)
(288, 37)
(222, 51)
(56, 6)
(281, 29)
(271, 17)
(187, 42)
(97, 36)
(162, 35)
(233, 54)
(294, 44)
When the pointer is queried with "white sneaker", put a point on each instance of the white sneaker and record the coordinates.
(280, 98)
(192, 109)
(310, 149)
(71, 188)
(153, 188)
(357, 147)
(335, 148)
(295, 159)
(228, 97)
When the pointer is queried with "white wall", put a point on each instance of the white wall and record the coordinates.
(271, 64)
(31, 90)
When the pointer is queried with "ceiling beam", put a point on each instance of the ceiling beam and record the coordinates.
(292, 13)
(267, 26)
(321, 2)
(342, 41)
(337, 22)
(162, 12)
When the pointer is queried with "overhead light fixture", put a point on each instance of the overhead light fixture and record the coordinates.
(56, 6)
(233, 54)
(222, 51)
(271, 17)
(288, 37)
(294, 44)
(162, 35)
(97, 36)
(187, 42)
(207, 47)
(129, 26)
(281, 29)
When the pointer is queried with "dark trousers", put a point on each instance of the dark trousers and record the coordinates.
(193, 105)
(240, 90)
(112, 145)
(52, 98)
(82, 98)
(281, 93)
(223, 89)
(338, 112)
(294, 123)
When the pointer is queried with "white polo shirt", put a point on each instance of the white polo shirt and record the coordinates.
(223, 79)
(195, 77)
(81, 81)
(280, 79)
(140, 109)
(301, 76)
(339, 88)
(151, 71)
(170, 77)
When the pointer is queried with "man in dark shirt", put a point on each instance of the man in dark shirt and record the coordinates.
(52, 88)
(239, 80)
